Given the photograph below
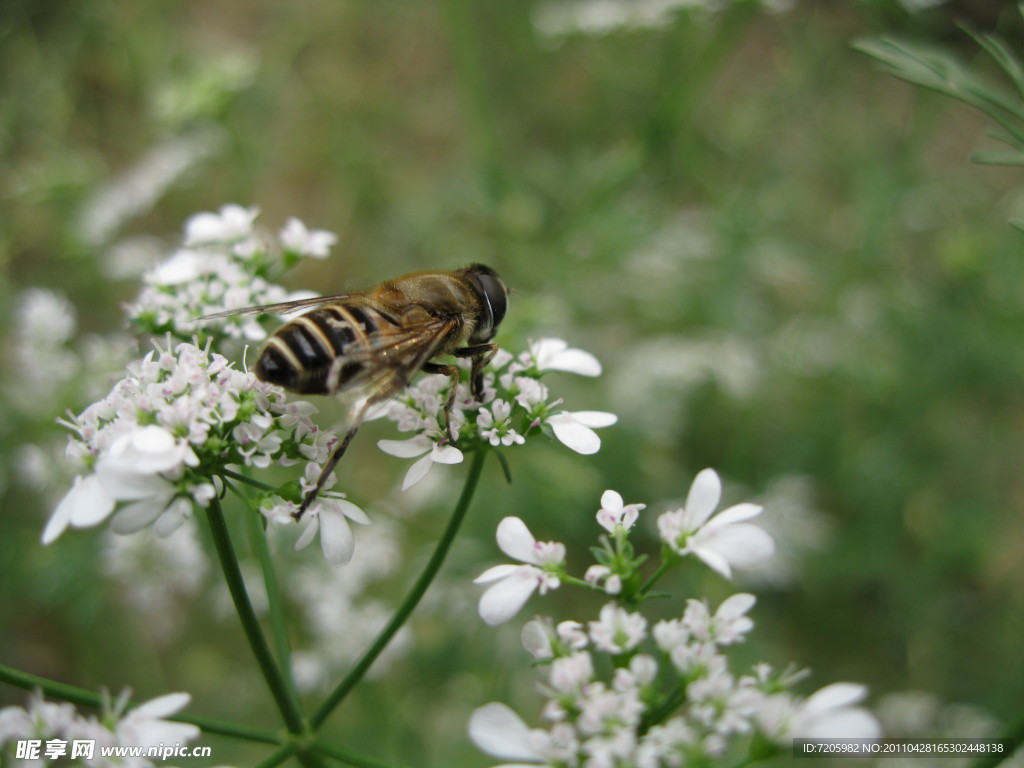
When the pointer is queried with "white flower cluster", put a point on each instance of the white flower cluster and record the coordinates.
(160, 442)
(676, 705)
(145, 725)
(669, 698)
(723, 541)
(224, 264)
(515, 404)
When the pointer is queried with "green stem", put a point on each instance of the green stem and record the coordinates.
(411, 600)
(280, 756)
(286, 703)
(247, 480)
(667, 562)
(351, 758)
(86, 698)
(278, 623)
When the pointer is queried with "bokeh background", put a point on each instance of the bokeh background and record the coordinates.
(784, 258)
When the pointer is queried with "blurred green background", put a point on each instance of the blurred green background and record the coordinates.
(784, 258)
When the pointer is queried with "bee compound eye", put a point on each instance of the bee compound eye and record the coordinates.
(496, 296)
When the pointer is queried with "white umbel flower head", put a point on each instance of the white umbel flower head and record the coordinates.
(513, 584)
(724, 541)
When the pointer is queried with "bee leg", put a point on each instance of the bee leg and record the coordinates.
(481, 354)
(325, 473)
(454, 374)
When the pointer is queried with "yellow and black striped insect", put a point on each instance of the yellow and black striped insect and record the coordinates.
(370, 345)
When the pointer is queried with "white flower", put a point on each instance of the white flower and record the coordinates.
(130, 470)
(576, 430)
(417, 446)
(614, 513)
(330, 515)
(729, 624)
(515, 583)
(602, 573)
(570, 673)
(556, 355)
(495, 425)
(296, 238)
(723, 541)
(233, 223)
(618, 630)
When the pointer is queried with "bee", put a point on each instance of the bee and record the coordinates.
(370, 345)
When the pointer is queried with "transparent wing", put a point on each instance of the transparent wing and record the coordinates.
(394, 354)
(282, 308)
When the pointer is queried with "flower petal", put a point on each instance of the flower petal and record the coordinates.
(503, 600)
(611, 500)
(406, 449)
(713, 560)
(734, 514)
(85, 505)
(163, 706)
(704, 494)
(312, 526)
(494, 573)
(574, 361)
(516, 541)
(351, 511)
(497, 730)
(743, 545)
(336, 538)
(417, 472)
(137, 515)
(595, 419)
(446, 454)
(574, 435)
(836, 695)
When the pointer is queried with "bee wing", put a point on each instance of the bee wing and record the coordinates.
(396, 353)
(282, 308)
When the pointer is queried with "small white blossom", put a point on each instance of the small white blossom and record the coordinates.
(495, 425)
(296, 238)
(598, 574)
(614, 512)
(231, 224)
(436, 453)
(515, 583)
(569, 674)
(723, 541)
(618, 630)
(329, 515)
(729, 624)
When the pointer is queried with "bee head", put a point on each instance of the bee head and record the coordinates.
(493, 295)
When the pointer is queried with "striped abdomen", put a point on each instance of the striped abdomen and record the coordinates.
(308, 355)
